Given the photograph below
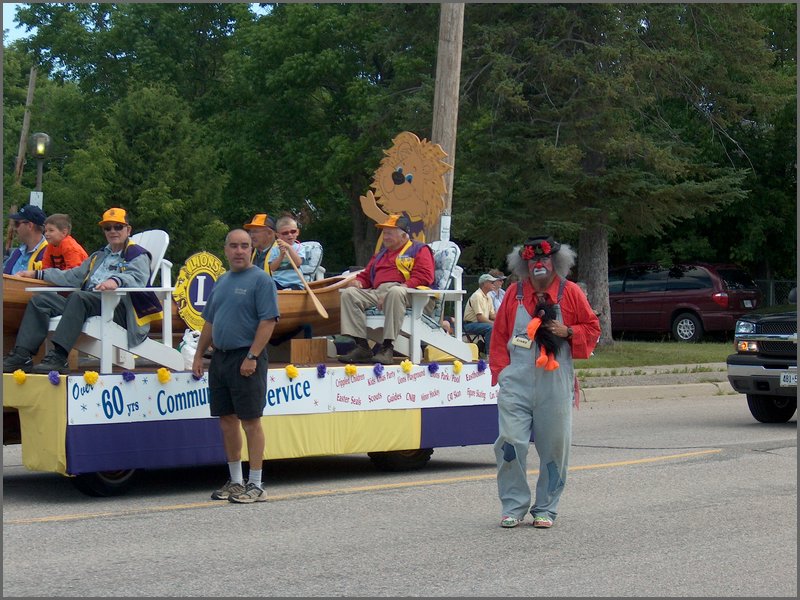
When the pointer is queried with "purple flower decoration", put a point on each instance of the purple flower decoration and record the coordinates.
(482, 364)
(128, 376)
(321, 370)
(54, 377)
(433, 367)
(378, 369)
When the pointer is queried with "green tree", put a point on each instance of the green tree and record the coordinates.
(152, 160)
(584, 117)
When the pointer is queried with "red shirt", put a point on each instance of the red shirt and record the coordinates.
(386, 270)
(67, 255)
(575, 312)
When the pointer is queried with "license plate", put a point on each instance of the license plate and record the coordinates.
(748, 303)
(788, 379)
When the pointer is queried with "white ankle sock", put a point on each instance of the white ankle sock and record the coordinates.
(235, 469)
(254, 477)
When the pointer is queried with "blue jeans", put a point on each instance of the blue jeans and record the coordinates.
(484, 329)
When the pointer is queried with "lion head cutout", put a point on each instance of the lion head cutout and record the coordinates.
(409, 181)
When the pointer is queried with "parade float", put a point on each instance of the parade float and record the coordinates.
(102, 426)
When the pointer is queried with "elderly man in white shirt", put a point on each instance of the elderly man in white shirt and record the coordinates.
(479, 313)
(497, 292)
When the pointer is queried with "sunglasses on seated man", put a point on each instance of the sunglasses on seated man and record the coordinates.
(117, 227)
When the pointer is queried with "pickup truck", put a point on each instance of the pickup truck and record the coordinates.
(764, 366)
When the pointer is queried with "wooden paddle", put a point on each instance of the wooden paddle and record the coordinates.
(317, 304)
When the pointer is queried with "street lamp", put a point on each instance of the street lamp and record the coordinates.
(39, 146)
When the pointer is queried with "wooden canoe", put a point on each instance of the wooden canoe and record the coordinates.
(296, 309)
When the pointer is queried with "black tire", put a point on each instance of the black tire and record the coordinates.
(771, 409)
(106, 483)
(687, 327)
(401, 460)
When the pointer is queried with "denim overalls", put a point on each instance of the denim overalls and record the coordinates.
(532, 400)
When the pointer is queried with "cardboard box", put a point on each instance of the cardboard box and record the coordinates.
(300, 351)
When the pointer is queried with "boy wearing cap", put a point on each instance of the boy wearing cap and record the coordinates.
(119, 264)
(532, 399)
(479, 314)
(262, 233)
(29, 228)
(401, 264)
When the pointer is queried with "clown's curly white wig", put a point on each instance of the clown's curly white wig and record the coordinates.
(563, 260)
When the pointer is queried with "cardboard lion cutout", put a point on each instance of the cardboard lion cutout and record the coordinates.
(409, 181)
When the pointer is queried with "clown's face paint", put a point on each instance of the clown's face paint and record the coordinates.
(540, 269)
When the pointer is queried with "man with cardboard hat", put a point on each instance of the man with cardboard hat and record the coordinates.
(401, 264)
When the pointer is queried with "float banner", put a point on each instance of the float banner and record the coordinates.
(145, 399)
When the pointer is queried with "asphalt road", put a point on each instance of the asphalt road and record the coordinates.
(673, 491)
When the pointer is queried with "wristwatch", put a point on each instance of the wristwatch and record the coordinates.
(569, 332)
(251, 356)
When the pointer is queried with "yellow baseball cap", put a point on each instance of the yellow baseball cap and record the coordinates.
(114, 215)
(399, 221)
(261, 220)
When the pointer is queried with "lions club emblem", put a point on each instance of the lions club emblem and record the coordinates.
(193, 286)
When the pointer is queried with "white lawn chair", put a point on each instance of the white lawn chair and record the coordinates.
(419, 328)
(104, 339)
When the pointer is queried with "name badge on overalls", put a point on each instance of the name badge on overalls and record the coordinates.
(521, 341)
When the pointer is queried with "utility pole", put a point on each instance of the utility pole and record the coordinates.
(20, 164)
(445, 103)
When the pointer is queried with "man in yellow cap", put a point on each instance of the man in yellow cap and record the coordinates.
(262, 233)
(121, 263)
(401, 264)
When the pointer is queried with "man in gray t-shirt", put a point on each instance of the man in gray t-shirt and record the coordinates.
(239, 319)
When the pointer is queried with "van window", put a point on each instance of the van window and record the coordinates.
(615, 279)
(646, 278)
(688, 278)
(736, 279)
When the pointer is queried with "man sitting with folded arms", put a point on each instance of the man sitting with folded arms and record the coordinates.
(121, 263)
(401, 264)
(479, 314)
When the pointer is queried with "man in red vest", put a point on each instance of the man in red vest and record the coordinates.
(401, 264)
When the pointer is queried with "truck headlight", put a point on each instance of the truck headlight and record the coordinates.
(745, 327)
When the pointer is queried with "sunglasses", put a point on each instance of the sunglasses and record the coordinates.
(288, 232)
(18, 223)
(118, 227)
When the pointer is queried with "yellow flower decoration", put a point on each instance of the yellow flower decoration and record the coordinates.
(292, 371)
(91, 377)
(406, 365)
(350, 370)
(20, 376)
(164, 375)
(457, 365)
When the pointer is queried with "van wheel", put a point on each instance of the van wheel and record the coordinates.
(771, 409)
(105, 483)
(401, 460)
(687, 328)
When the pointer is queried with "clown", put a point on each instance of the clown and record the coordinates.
(533, 400)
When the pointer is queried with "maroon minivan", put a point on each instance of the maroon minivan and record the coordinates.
(685, 300)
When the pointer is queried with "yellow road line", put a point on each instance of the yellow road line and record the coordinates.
(347, 490)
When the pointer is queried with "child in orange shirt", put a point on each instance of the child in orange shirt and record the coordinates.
(62, 251)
